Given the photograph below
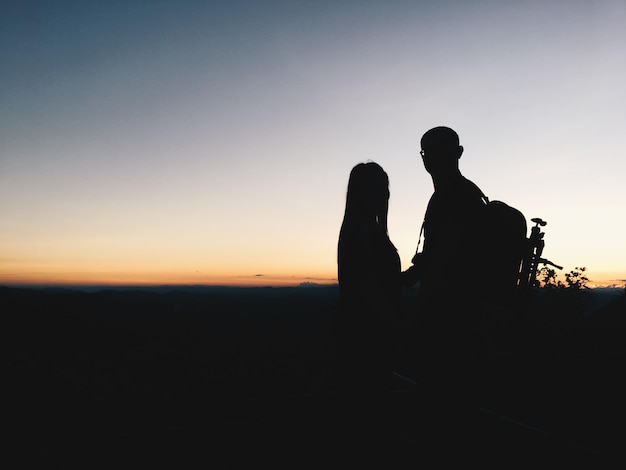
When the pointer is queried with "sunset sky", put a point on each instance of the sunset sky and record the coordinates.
(210, 142)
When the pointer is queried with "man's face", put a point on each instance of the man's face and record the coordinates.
(439, 159)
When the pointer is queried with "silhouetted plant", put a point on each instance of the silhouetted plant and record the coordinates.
(546, 278)
(576, 279)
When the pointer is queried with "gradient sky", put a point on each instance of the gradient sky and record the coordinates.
(210, 142)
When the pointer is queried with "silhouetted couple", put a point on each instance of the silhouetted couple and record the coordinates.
(371, 281)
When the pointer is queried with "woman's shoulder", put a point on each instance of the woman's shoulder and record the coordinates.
(355, 232)
(363, 236)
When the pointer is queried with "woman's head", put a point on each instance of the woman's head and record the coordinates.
(368, 192)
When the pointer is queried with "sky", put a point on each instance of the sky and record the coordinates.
(210, 142)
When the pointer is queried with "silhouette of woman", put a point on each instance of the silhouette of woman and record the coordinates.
(369, 284)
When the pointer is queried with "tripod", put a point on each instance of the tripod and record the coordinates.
(532, 258)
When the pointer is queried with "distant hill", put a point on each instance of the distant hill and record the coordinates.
(194, 289)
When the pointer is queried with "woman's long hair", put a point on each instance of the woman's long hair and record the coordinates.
(368, 194)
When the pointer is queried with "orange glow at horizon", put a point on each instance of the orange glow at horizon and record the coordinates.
(169, 277)
(163, 278)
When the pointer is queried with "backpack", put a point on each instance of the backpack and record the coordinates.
(504, 245)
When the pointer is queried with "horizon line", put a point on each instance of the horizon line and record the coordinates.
(157, 285)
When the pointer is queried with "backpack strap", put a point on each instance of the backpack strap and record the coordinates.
(419, 240)
(483, 197)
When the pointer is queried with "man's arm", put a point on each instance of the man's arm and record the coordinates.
(412, 275)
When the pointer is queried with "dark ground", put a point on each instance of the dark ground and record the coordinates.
(237, 378)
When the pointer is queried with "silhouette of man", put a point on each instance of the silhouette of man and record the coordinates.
(448, 301)
(451, 226)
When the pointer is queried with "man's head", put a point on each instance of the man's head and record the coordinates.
(441, 151)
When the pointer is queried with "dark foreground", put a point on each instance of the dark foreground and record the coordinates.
(289, 432)
(241, 379)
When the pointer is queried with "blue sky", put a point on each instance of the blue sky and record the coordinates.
(197, 141)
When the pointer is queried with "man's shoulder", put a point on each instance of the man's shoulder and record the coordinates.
(468, 196)
(463, 198)
(470, 188)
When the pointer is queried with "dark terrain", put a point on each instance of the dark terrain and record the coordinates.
(234, 377)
